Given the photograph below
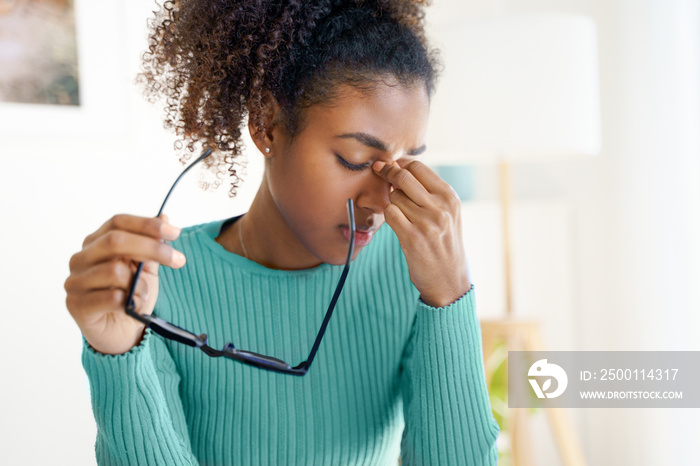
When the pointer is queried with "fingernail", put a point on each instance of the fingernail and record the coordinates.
(170, 232)
(178, 259)
(378, 165)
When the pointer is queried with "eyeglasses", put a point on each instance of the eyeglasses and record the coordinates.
(173, 332)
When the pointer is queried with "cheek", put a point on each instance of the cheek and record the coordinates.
(318, 181)
(325, 180)
(310, 187)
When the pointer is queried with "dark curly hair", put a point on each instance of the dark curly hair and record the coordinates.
(218, 62)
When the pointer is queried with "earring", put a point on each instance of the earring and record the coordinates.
(267, 150)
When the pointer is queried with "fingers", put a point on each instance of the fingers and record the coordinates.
(103, 287)
(417, 213)
(92, 306)
(416, 185)
(410, 175)
(102, 272)
(409, 209)
(396, 219)
(403, 179)
(107, 275)
(125, 245)
(157, 228)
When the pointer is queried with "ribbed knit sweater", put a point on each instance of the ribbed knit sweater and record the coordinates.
(392, 376)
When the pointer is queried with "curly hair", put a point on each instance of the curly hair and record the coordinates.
(216, 63)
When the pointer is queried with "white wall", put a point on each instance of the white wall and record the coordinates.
(646, 215)
(634, 214)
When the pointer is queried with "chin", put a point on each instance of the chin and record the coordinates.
(339, 258)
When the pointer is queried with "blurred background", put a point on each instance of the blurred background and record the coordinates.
(604, 250)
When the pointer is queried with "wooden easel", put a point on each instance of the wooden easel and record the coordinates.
(522, 335)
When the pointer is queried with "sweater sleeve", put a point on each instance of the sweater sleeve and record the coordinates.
(447, 410)
(137, 406)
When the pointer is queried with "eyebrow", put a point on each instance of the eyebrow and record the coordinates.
(373, 142)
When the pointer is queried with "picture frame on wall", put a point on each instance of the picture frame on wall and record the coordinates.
(73, 80)
(38, 52)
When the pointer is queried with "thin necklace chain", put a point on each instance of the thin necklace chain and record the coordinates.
(240, 238)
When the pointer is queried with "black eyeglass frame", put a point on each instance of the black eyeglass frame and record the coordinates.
(179, 334)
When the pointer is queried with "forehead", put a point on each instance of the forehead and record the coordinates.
(393, 113)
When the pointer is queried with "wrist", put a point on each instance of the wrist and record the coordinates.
(122, 346)
(445, 299)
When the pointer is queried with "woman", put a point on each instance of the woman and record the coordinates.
(336, 97)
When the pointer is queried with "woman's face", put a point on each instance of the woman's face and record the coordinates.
(311, 177)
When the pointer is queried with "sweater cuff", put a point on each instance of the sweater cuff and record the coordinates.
(142, 346)
(105, 371)
(465, 302)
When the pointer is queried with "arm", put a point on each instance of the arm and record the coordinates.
(133, 380)
(137, 406)
(446, 403)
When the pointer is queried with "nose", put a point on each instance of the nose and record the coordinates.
(374, 194)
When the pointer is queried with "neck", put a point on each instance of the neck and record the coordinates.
(268, 239)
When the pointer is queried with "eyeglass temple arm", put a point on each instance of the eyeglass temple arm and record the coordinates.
(173, 332)
(351, 217)
(248, 357)
(130, 306)
(199, 159)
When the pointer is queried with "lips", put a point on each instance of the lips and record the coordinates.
(363, 234)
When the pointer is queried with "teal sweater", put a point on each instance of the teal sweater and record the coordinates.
(392, 376)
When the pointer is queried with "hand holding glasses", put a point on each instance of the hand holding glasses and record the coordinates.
(173, 332)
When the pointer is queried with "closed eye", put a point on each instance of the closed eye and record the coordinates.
(350, 166)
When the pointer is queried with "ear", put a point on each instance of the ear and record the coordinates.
(267, 134)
